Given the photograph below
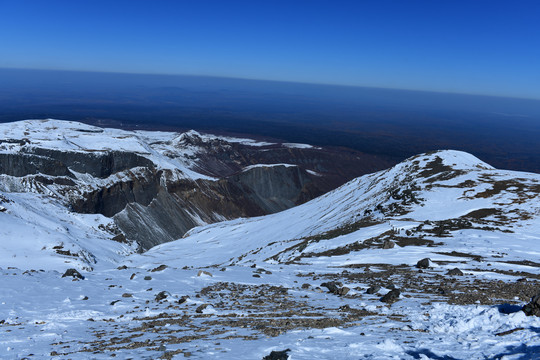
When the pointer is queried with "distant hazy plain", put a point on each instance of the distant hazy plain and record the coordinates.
(392, 124)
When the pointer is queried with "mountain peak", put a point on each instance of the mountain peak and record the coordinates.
(449, 159)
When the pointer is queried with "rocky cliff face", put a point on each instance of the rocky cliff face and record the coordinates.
(155, 185)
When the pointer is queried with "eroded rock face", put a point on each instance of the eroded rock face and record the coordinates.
(140, 188)
(27, 164)
(100, 164)
(153, 206)
(146, 187)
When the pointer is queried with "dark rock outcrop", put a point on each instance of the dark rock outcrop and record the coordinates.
(100, 164)
(424, 263)
(73, 273)
(373, 289)
(533, 307)
(26, 164)
(336, 288)
(277, 355)
(392, 296)
(455, 272)
(162, 295)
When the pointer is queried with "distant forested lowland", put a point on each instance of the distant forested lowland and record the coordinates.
(392, 124)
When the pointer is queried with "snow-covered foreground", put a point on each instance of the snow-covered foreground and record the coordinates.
(336, 278)
(44, 314)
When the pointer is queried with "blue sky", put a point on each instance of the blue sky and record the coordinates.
(474, 46)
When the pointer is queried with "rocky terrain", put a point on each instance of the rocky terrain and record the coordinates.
(435, 258)
(155, 186)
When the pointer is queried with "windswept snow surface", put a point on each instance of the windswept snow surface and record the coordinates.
(261, 289)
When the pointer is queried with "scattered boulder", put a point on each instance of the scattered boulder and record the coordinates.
(424, 263)
(533, 307)
(306, 286)
(162, 295)
(201, 308)
(147, 278)
(73, 273)
(332, 286)
(388, 244)
(344, 291)
(132, 276)
(123, 267)
(127, 295)
(202, 272)
(336, 288)
(391, 296)
(455, 272)
(183, 299)
(159, 268)
(277, 355)
(373, 289)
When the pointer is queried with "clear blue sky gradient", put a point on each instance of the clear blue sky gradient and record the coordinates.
(478, 47)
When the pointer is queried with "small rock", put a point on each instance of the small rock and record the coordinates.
(336, 288)
(331, 286)
(277, 355)
(391, 296)
(147, 277)
(123, 267)
(256, 275)
(442, 291)
(201, 308)
(73, 273)
(533, 307)
(306, 286)
(344, 290)
(127, 295)
(202, 272)
(132, 276)
(424, 263)
(114, 302)
(162, 295)
(85, 298)
(183, 299)
(373, 289)
(159, 268)
(455, 271)
(388, 244)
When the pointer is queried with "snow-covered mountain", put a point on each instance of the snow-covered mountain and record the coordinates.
(433, 258)
(445, 198)
(141, 188)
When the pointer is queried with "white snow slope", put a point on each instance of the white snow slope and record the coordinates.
(262, 277)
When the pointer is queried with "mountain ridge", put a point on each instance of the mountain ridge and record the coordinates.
(435, 257)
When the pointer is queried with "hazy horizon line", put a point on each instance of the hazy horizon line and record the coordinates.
(272, 81)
